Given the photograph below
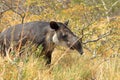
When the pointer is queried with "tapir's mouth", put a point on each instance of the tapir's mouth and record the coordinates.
(80, 51)
(72, 48)
(77, 46)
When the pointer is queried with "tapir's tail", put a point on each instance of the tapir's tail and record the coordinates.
(0, 45)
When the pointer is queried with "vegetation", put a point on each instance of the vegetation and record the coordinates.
(96, 21)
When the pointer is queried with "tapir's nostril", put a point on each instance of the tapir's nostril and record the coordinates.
(82, 53)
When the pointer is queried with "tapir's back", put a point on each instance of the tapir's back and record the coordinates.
(28, 30)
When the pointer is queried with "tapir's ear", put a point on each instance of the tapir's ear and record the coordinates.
(54, 25)
(66, 22)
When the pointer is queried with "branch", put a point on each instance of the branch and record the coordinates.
(85, 27)
(22, 16)
(113, 6)
(11, 8)
(106, 12)
(2, 12)
(99, 38)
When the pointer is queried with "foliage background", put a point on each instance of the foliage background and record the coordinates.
(96, 21)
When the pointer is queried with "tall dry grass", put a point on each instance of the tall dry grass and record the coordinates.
(71, 66)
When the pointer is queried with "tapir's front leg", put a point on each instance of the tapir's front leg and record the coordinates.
(48, 56)
(47, 53)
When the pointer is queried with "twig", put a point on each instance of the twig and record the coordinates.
(1, 12)
(85, 27)
(106, 12)
(113, 6)
(11, 8)
(100, 37)
(8, 57)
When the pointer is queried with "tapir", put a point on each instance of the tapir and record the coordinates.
(47, 34)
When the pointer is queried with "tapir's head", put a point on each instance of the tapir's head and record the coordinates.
(64, 36)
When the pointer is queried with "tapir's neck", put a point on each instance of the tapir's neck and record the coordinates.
(49, 36)
(55, 38)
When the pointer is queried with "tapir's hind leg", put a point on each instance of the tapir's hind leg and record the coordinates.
(2, 50)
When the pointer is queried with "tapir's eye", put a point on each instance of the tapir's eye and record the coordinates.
(64, 36)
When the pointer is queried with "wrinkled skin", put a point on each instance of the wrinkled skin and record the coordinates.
(47, 34)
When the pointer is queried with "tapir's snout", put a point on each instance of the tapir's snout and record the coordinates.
(78, 46)
(80, 51)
